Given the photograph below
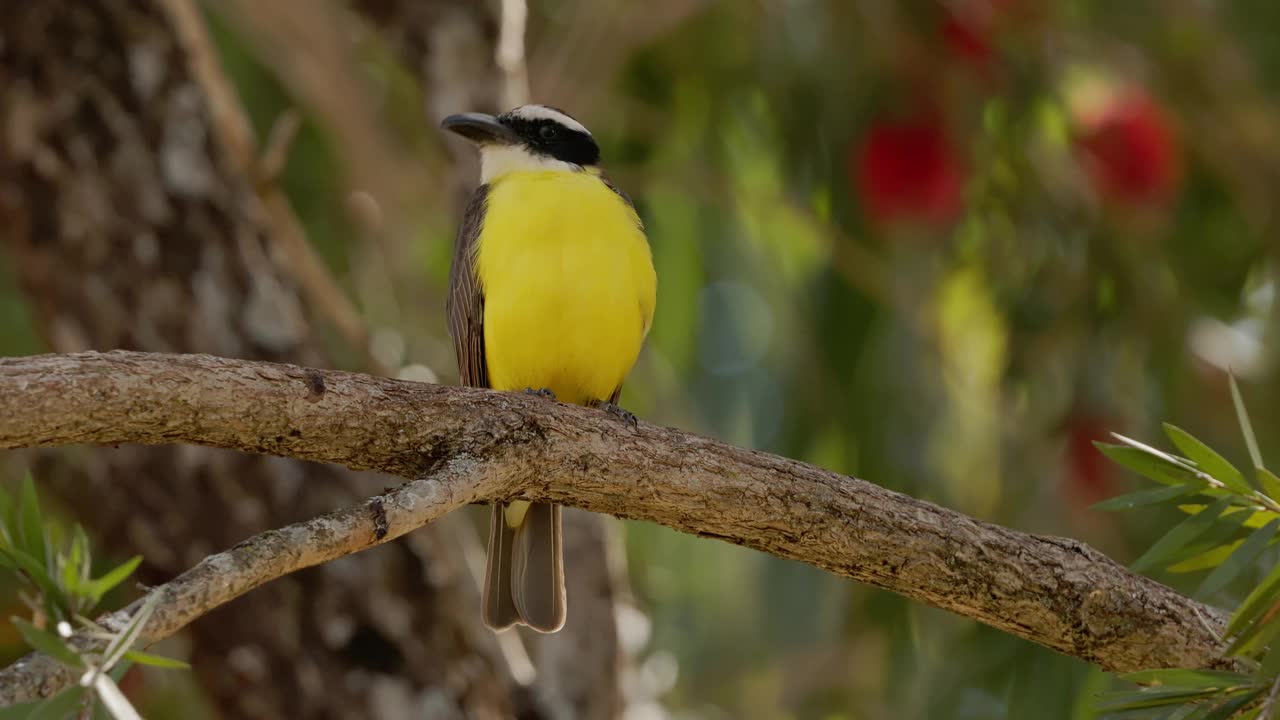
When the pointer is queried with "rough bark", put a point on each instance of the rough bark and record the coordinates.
(1053, 591)
(131, 229)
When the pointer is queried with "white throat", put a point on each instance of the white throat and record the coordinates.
(498, 160)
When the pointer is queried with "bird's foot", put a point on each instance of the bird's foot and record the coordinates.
(625, 416)
(541, 392)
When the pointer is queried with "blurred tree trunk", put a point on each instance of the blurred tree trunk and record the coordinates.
(129, 229)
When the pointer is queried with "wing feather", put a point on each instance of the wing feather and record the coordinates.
(465, 304)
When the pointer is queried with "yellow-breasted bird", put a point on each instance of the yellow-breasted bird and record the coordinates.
(552, 290)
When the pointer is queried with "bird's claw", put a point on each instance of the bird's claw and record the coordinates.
(624, 415)
(541, 392)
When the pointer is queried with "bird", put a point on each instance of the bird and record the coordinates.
(552, 291)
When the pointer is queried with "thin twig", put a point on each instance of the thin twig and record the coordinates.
(227, 575)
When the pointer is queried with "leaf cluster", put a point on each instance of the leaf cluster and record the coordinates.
(54, 566)
(1232, 519)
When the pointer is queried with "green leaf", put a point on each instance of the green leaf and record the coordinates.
(160, 661)
(1270, 665)
(1241, 558)
(104, 584)
(1257, 636)
(1259, 518)
(1181, 534)
(47, 643)
(8, 519)
(1233, 705)
(1256, 517)
(60, 706)
(124, 641)
(1189, 679)
(38, 575)
(1208, 460)
(1206, 559)
(21, 711)
(1159, 468)
(30, 522)
(1150, 496)
(1117, 702)
(1222, 534)
(1269, 483)
(1246, 427)
(1260, 599)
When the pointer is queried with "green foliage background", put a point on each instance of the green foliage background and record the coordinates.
(965, 361)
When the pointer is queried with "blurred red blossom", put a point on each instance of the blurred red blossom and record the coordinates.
(908, 169)
(969, 28)
(1130, 150)
(1088, 475)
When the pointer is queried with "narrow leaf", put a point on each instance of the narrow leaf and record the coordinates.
(35, 572)
(160, 661)
(124, 641)
(1181, 534)
(1190, 679)
(1233, 705)
(47, 643)
(1257, 636)
(30, 522)
(60, 706)
(8, 520)
(1150, 496)
(1160, 468)
(70, 567)
(1208, 460)
(1257, 601)
(1256, 517)
(104, 584)
(1270, 665)
(1150, 699)
(1243, 556)
(1269, 482)
(21, 711)
(1221, 535)
(1206, 559)
(1246, 427)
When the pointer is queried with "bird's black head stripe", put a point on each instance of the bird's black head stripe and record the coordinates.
(546, 136)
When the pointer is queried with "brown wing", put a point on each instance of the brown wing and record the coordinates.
(625, 198)
(465, 304)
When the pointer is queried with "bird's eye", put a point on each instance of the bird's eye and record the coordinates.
(547, 132)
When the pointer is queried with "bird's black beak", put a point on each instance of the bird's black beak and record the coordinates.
(479, 128)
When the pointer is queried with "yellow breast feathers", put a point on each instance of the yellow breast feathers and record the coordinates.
(568, 282)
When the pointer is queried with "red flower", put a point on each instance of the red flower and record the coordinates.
(1089, 477)
(1130, 151)
(969, 27)
(909, 170)
(967, 39)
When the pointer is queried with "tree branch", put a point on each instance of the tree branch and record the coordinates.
(227, 575)
(464, 445)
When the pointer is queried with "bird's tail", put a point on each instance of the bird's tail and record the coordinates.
(524, 576)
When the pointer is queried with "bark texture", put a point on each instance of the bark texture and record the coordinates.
(130, 229)
(1054, 591)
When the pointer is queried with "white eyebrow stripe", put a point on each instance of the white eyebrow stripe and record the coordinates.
(542, 112)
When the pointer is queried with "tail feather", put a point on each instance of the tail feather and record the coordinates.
(498, 611)
(524, 580)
